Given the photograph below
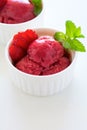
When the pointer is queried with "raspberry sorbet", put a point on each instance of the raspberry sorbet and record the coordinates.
(38, 55)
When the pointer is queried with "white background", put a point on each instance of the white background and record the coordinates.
(64, 111)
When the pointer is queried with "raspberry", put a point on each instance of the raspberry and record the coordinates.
(20, 43)
(23, 39)
(16, 53)
(31, 35)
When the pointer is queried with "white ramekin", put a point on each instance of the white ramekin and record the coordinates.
(41, 85)
(8, 30)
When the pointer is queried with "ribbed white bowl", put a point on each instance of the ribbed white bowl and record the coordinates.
(41, 85)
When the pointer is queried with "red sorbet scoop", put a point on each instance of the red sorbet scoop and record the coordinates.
(45, 51)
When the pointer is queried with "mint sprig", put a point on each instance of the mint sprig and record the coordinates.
(37, 6)
(70, 39)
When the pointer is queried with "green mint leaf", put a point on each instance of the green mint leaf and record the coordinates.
(59, 36)
(78, 46)
(68, 44)
(74, 44)
(77, 31)
(37, 6)
(78, 34)
(70, 29)
(70, 40)
(81, 36)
